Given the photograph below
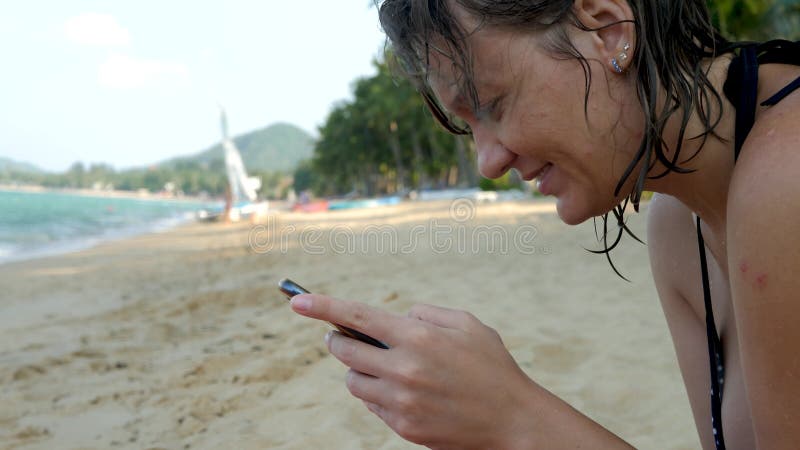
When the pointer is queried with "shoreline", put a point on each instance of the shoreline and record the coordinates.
(36, 189)
(83, 243)
(112, 216)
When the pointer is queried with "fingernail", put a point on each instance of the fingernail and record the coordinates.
(301, 303)
(328, 336)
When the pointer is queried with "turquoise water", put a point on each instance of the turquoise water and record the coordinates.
(38, 224)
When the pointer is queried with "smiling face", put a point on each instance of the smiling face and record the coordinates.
(531, 116)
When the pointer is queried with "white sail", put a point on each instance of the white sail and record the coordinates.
(242, 186)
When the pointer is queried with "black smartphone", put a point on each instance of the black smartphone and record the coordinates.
(290, 289)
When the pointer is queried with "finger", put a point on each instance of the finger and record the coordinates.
(374, 408)
(443, 317)
(357, 355)
(370, 389)
(372, 321)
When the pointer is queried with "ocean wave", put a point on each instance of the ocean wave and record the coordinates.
(5, 252)
(44, 225)
(11, 253)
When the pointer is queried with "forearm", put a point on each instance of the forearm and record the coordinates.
(551, 423)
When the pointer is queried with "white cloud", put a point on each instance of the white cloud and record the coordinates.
(96, 29)
(125, 72)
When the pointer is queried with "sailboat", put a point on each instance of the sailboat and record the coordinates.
(243, 198)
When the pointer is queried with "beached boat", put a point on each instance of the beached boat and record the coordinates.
(364, 203)
(315, 206)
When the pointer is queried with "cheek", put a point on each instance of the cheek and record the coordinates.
(610, 150)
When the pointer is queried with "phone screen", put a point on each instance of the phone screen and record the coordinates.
(290, 289)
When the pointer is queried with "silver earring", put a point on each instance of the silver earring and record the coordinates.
(616, 65)
(621, 58)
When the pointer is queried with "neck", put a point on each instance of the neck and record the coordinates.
(705, 190)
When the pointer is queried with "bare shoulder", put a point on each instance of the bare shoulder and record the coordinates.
(764, 193)
(670, 232)
(770, 157)
(664, 214)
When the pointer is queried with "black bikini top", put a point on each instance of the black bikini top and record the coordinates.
(742, 83)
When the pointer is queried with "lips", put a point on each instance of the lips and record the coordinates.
(535, 173)
(543, 184)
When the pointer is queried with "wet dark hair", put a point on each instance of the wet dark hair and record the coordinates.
(673, 37)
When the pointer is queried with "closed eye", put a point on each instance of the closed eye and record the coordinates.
(489, 110)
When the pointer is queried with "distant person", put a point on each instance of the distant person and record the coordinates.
(305, 198)
(602, 100)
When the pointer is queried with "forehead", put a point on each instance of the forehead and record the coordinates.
(491, 58)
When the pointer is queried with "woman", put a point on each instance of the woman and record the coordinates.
(602, 99)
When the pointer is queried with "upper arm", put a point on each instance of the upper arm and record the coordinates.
(666, 219)
(763, 259)
(674, 257)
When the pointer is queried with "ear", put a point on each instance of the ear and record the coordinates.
(612, 22)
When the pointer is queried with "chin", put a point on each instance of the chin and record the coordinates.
(570, 214)
(574, 210)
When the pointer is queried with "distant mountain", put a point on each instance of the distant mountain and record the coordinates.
(278, 147)
(9, 165)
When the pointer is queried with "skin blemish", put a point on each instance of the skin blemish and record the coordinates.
(761, 281)
(743, 267)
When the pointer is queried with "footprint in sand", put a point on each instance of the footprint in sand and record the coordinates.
(27, 372)
(285, 369)
(88, 353)
(32, 433)
(278, 373)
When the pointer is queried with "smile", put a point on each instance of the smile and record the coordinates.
(536, 173)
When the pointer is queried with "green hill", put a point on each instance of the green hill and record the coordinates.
(278, 147)
(9, 165)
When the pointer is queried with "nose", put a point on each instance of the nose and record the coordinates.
(494, 159)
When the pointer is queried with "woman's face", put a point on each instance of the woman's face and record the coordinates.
(532, 117)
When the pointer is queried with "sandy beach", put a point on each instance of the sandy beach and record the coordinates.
(180, 339)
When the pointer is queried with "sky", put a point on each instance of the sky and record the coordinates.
(130, 83)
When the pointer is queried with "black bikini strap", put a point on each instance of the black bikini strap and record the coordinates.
(779, 51)
(747, 70)
(791, 87)
(741, 87)
(715, 357)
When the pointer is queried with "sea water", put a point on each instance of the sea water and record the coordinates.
(35, 224)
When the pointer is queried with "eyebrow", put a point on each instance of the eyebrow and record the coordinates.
(460, 101)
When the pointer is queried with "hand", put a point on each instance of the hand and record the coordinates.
(447, 380)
